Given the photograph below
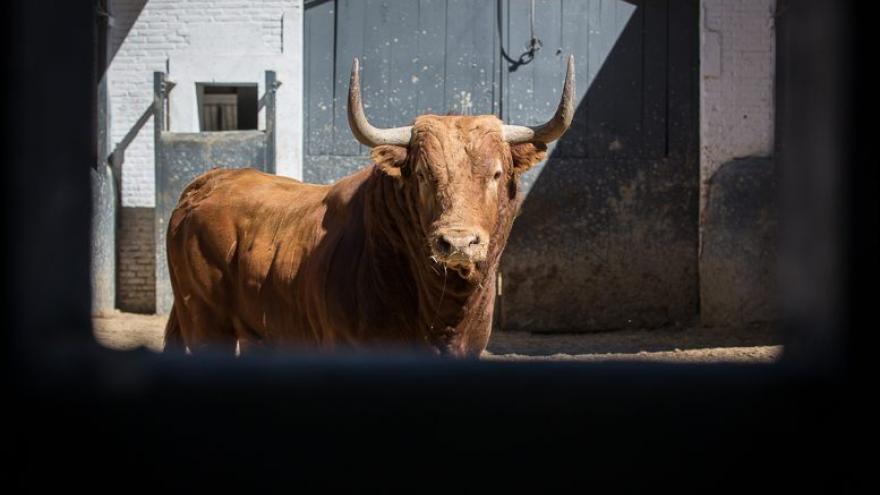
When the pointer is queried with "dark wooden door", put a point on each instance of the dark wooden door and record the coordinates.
(417, 56)
(608, 234)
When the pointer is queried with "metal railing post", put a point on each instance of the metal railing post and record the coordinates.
(271, 87)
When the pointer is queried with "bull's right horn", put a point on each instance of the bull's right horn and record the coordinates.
(554, 128)
(363, 131)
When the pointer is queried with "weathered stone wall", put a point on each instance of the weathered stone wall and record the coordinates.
(737, 56)
(737, 175)
(739, 247)
(103, 261)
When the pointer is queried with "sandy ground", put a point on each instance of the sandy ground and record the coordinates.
(752, 344)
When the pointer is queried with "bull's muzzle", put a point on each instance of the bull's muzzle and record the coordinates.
(460, 247)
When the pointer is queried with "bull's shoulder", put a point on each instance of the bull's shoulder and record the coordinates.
(342, 193)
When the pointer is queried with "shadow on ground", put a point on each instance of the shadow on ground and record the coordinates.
(635, 341)
(756, 343)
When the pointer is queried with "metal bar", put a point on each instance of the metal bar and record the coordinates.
(161, 277)
(158, 103)
(271, 87)
(117, 157)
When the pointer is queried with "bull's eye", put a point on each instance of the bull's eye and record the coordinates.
(497, 175)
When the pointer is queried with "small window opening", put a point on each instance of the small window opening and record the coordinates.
(227, 107)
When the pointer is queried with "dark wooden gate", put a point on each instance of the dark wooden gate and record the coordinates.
(428, 56)
(607, 237)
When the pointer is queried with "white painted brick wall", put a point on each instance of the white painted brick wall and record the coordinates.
(147, 34)
(737, 60)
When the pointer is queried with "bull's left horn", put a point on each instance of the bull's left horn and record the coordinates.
(553, 129)
(361, 128)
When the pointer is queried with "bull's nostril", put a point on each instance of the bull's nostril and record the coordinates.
(475, 239)
(444, 246)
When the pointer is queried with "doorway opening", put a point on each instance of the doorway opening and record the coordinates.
(227, 107)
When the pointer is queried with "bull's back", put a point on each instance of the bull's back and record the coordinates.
(225, 205)
(229, 229)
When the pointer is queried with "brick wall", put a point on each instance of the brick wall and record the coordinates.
(136, 265)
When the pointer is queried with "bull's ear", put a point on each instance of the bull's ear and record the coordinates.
(389, 158)
(526, 155)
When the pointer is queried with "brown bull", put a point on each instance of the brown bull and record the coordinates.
(401, 253)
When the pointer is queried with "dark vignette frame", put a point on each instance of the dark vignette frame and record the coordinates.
(88, 416)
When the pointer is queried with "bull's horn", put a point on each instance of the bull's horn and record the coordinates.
(553, 129)
(360, 126)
